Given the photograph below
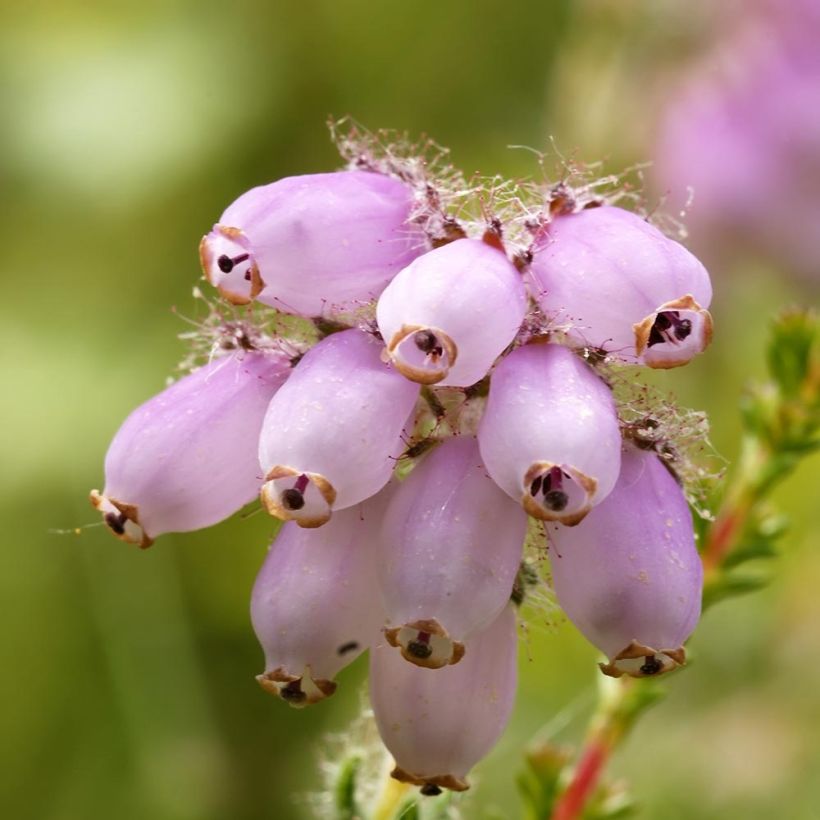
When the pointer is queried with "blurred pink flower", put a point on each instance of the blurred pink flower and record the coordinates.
(743, 133)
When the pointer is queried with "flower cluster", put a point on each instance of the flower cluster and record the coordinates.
(442, 394)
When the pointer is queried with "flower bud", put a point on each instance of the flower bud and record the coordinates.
(629, 575)
(186, 458)
(331, 436)
(549, 435)
(313, 244)
(451, 545)
(314, 606)
(448, 315)
(623, 287)
(439, 724)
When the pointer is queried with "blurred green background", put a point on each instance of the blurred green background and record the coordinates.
(127, 687)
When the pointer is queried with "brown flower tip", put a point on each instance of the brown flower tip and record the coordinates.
(121, 519)
(640, 661)
(441, 781)
(672, 335)
(422, 354)
(425, 643)
(292, 495)
(297, 691)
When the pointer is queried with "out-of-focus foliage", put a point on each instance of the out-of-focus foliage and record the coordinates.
(127, 127)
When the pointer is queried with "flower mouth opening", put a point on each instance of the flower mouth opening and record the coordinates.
(425, 643)
(557, 492)
(422, 354)
(121, 519)
(297, 691)
(229, 265)
(675, 333)
(431, 785)
(640, 661)
(291, 495)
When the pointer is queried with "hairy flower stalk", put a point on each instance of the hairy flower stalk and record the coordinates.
(451, 545)
(623, 287)
(629, 576)
(186, 458)
(448, 315)
(331, 436)
(313, 607)
(313, 245)
(549, 435)
(439, 724)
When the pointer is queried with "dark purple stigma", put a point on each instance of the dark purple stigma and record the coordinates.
(116, 522)
(292, 499)
(651, 665)
(555, 498)
(669, 327)
(292, 692)
(430, 790)
(226, 263)
(420, 648)
(427, 342)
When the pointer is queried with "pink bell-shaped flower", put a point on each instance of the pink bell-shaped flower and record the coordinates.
(451, 544)
(313, 607)
(620, 285)
(315, 244)
(448, 315)
(439, 723)
(549, 434)
(331, 439)
(629, 575)
(186, 458)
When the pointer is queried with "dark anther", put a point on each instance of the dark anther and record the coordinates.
(292, 692)
(427, 342)
(293, 500)
(350, 646)
(683, 329)
(430, 790)
(669, 327)
(556, 500)
(536, 485)
(651, 666)
(116, 522)
(226, 264)
(419, 650)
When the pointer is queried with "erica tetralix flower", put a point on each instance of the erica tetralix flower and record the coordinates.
(448, 315)
(549, 434)
(629, 575)
(313, 606)
(186, 458)
(622, 286)
(439, 723)
(451, 544)
(313, 244)
(331, 439)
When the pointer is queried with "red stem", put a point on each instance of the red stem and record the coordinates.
(584, 781)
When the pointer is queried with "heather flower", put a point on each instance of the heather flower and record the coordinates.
(448, 315)
(313, 245)
(451, 544)
(313, 607)
(438, 724)
(741, 132)
(549, 435)
(186, 458)
(629, 575)
(621, 286)
(331, 437)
